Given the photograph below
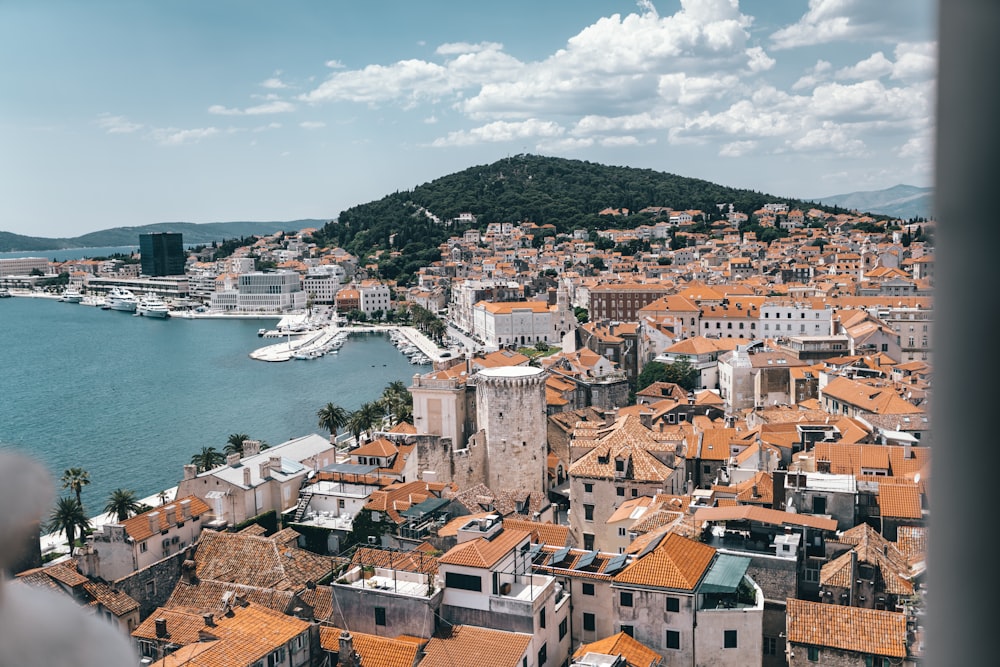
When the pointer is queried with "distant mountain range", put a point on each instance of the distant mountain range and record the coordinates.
(120, 236)
(899, 201)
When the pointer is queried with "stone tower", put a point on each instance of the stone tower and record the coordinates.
(510, 411)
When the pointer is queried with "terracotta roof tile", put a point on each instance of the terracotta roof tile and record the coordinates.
(484, 553)
(846, 628)
(677, 562)
(471, 645)
(375, 651)
(635, 653)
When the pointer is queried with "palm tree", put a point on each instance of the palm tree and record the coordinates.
(68, 517)
(332, 417)
(75, 479)
(208, 458)
(356, 424)
(122, 503)
(234, 445)
(397, 401)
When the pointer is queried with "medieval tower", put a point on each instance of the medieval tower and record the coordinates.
(510, 415)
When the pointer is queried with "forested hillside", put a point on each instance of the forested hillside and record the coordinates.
(568, 194)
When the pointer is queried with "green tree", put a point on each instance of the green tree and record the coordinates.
(68, 517)
(680, 372)
(75, 479)
(332, 417)
(234, 444)
(123, 504)
(397, 401)
(208, 458)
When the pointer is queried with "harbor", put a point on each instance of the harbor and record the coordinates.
(314, 343)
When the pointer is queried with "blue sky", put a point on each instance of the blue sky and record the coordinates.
(131, 112)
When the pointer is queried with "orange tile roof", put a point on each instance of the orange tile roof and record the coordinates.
(542, 533)
(471, 645)
(484, 553)
(846, 628)
(677, 562)
(379, 447)
(257, 561)
(635, 653)
(375, 651)
(899, 500)
(764, 515)
(138, 527)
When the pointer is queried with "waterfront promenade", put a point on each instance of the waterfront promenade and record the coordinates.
(317, 340)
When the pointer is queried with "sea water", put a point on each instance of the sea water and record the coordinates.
(130, 399)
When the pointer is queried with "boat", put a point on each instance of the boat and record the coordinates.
(71, 295)
(151, 305)
(5, 293)
(123, 299)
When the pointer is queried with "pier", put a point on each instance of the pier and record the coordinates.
(314, 343)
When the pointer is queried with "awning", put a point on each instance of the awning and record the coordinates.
(725, 574)
(424, 508)
(349, 468)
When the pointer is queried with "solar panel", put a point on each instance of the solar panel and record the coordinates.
(617, 563)
(559, 556)
(586, 559)
(653, 543)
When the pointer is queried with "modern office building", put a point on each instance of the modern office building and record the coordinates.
(162, 254)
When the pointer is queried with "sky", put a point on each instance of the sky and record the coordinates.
(131, 112)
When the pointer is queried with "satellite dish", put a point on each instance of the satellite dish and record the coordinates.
(916, 478)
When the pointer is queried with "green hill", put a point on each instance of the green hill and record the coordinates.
(545, 190)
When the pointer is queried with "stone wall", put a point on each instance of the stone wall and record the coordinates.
(151, 586)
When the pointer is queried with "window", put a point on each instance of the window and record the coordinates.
(588, 487)
(563, 627)
(673, 639)
(621, 531)
(813, 654)
(619, 465)
(276, 658)
(626, 599)
(379, 615)
(729, 639)
(588, 512)
(620, 490)
(629, 630)
(588, 541)
(466, 582)
(543, 654)
(635, 493)
(673, 604)
(706, 469)
(588, 589)
(770, 646)
(541, 618)
(588, 621)
(150, 588)
(142, 547)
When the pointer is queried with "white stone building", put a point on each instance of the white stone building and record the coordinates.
(266, 292)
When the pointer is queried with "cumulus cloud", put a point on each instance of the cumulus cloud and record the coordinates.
(873, 67)
(501, 131)
(758, 60)
(915, 61)
(737, 148)
(847, 20)
(828, 138)
(273, 83)
(818, 73)
(274, 106)
(459, 48)
(117, 124)
(171, 136)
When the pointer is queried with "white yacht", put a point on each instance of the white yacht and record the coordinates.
(152, 305)
(71, 294)
(120, 298)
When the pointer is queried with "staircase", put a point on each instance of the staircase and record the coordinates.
(300, 509)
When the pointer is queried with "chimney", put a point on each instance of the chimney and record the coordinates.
(265, 470)
(233, 459)
(251, 448)
(186, 508)
(246, 476)
(646, 419)
(170, 512)
(154, 521)
(209, 619)
(190, 471)
(161, 627)
(346, 656)
(275, 463)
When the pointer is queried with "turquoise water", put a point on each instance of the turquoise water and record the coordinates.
(131, 399)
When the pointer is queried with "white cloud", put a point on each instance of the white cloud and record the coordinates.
(406, 79)
(615, 142)
(275, 106)
(334, 64)
(273, 83)
(459, 48)
(818, 73)
(117, 124)
(737, 148)
(915, 61)
(848, 20)
(873, 67)
(758, 60)
(269, 126)
(868, 100)
(501, 131)
(828, 138)
(170, 136)
(312, 124)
